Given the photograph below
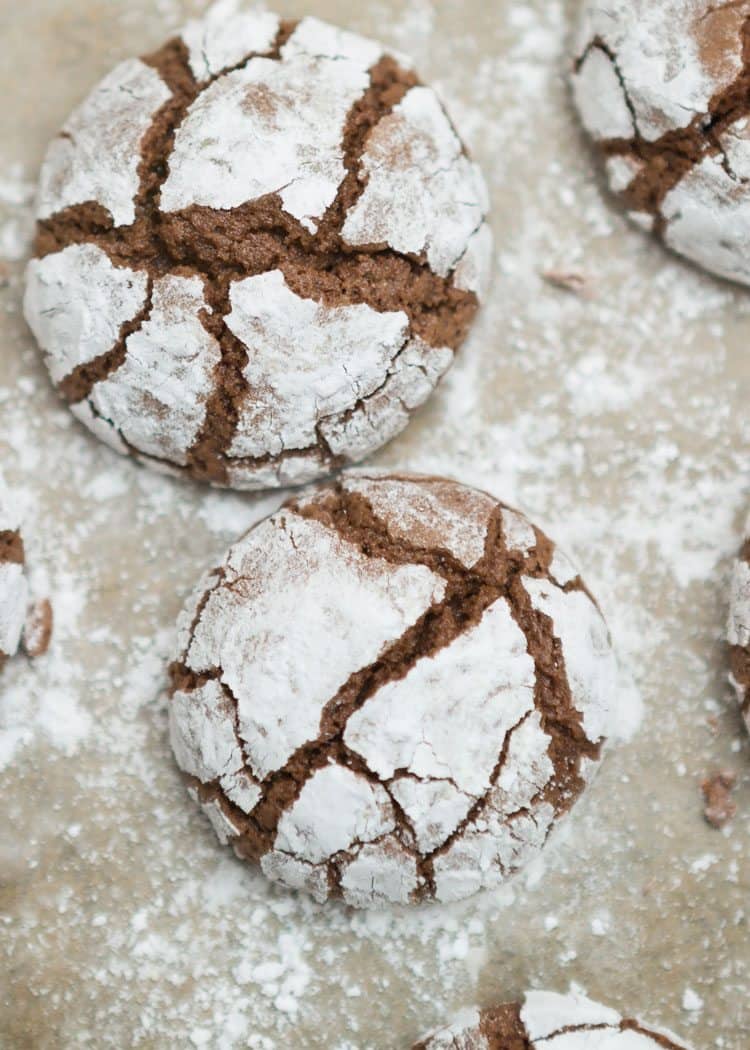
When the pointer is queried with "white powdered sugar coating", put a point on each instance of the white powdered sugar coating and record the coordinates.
(411, 378)
(270, 127)
(664, 54)
(474, 272)
(512, 826)
(545, 1013)
(14, 590)
(739, 607)
(205, 743)
(13, 601)
(589, 661)
(382, 873)
(735, 144)
(435, 808)
(309, 361)
(518, 532)
(76, 303)
(286, 640)
(429, 512)
(96, 156)
(423, 195)
(447, 759)
(158, 395)
(485, 680)
(463, 1033)
(645, 70)
(336, 810)
(708, 219)
(225, 36)
(574, 1022)
(600, 98)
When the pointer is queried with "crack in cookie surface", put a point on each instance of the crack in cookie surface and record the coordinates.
(226, 246)
(440, 803)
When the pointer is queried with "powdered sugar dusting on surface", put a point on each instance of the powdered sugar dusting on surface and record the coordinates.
(308, 361)
(619, 421)
(82, 166)
(214, 159)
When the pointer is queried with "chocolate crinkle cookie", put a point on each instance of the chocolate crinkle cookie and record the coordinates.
(664, 90)
(14, 591)
(739, 628)
(258, 250)
(390, 691)
(547, 1021)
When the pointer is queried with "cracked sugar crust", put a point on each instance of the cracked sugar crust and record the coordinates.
(258, 251)
(547, 1021)
(664, 91)
(390, 691)
(14, 593)
(738, 631)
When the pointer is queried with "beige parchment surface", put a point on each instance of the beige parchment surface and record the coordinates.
(617, 419)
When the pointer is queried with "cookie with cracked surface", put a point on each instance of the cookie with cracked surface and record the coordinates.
(14, 593)
(390, 691)
(738, 633)
(548, 1021)
(258, 250)
(664, 91)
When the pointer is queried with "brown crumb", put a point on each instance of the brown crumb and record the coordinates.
(717, 789)
(570, 281)
(713, 724)
(37, 632)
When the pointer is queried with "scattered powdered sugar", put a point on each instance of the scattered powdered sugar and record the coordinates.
(16, 221)
(618, 420)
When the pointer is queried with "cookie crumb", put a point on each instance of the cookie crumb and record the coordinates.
(37, 632)
(717, 790)
(569, 281)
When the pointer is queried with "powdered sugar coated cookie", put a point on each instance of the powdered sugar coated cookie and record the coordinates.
(258, 250)
(384, 693)
(663, 91)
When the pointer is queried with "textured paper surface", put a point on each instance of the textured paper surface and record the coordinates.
(618, 420)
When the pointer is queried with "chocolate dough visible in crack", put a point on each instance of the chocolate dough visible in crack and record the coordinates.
(667, 159)
(469, 594)
(11, 547)
(78, 384)
(223, 246)
(501, 1027)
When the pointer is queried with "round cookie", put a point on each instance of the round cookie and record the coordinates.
(14, 592)
(664, 91)
(258, 250)
(390, 691)
(547, 1021)
(738, 633)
